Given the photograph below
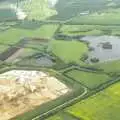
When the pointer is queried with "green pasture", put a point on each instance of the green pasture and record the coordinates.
(3, 48)
(68, 51)
(109, 66)
(89, 79)
(90, 30)
(81, 30)
(102, 106)
(27, 52)
(62, 116)
(13, 35)
(104, 17)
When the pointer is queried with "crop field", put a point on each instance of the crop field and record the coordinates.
(21, 54)
(102, 106)
(15, 34)
(110, 66)
(63, 116)
(75, 41)
(90, 30)
(107, 17)
(81, 30)
(68, 51)
(89, 79)
(23, 49)
(3, 47)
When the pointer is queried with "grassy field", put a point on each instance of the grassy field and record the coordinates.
(36, 46)
(91, 80)
(102, 17)
(18, 57)
(13, 35)
(110, 66)
(27, 52)
(68, 51)
(62, 116)
(3, 48)
(90, 30)
(102, 106)
(109, 17)
(81, 30)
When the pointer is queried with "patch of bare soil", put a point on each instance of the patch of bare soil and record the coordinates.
(21, 91)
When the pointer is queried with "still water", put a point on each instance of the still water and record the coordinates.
(99, 52)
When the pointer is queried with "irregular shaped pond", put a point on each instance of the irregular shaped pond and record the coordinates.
(44, 61)
(104, 48)
(7, 14)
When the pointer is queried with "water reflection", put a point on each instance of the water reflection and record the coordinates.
(104, 48)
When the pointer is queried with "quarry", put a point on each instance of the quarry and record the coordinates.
(22, 90)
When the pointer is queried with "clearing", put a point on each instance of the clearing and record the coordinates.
(21, 91)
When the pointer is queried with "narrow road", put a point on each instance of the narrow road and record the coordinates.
(62, 105)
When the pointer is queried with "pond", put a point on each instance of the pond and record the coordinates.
(104, 48)
(7, 14)
(44, 61)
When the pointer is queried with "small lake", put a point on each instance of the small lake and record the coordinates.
(7, 14)
(101, 53)
(44, 61)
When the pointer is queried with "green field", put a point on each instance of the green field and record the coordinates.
(62, 54)
(3, 48)
(62, 116)
(27, 52)
(91, 80)
(108, 16)
(102, 106)
(13, 35)
(82, 29)
(90, 30)
(110, 66)
(69, 51)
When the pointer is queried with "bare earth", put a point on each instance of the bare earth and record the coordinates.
(21, 91)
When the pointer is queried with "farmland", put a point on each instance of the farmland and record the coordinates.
(15, 34)
(91, 80)
(3, 47)
(103, 18)
(76, 43)
(62, 116)
(64, 49)
(106, 105)
(90, 29)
